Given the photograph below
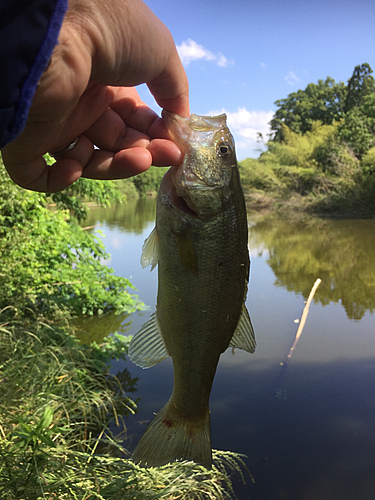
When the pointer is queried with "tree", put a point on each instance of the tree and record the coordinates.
(322, 101)
(360, 85)
(358, 129)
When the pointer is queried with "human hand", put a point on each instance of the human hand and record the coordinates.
(87, 91)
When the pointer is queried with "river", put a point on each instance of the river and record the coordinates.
(307, 427)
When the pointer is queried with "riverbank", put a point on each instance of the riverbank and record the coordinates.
(294, 205)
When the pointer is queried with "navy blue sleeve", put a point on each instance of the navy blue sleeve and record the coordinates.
(29, 31)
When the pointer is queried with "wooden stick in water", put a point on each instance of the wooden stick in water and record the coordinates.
(281, 393)
(303, 317)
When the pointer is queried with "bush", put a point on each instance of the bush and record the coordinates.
(258, 175)
(49, 263)
(368, 161)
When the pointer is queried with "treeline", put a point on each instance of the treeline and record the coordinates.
(322, 146)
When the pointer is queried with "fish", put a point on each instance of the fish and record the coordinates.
(200, 244)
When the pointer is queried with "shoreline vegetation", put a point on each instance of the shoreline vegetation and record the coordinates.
(58, 401)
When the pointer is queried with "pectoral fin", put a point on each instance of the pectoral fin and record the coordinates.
(147, 347)
(186, 251)
(150, 250)
(244, 337)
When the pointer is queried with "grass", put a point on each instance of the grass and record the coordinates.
(57, 403)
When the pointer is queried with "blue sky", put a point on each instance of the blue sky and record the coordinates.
(243, 55)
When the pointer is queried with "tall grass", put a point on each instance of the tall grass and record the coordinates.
(57, 402)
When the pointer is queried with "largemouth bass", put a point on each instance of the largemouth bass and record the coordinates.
(200, 245)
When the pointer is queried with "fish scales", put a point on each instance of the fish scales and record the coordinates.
(200, 245)
(206, 306)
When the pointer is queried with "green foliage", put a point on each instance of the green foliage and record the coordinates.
(36, 434)
(360, 85)
(127, 187)
(327, 102)
(368, 161)
(50, 264)
(358, 128)
(323, 101)
(339, 160)
(301, 149)
(149, 181)
(259, 174)
(314, 162)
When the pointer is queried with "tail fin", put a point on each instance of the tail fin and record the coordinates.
(169, 438)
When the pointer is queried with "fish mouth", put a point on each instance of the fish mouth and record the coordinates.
(180, 203)
(177, 201)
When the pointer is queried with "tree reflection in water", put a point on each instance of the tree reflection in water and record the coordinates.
(340, 252)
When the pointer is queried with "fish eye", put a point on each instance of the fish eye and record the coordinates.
(224, 149)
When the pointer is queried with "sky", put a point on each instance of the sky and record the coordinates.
(241, 56)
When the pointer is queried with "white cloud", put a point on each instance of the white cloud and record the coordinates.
(245, 126)
(292, 78)
(192, 51)
(222, 61)
(263, 65)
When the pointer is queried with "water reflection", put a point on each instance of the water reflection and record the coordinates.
(94, 328)
(132, 216)
(131, 219)
(340, 252)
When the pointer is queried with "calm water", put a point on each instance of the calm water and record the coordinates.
(308, 429)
